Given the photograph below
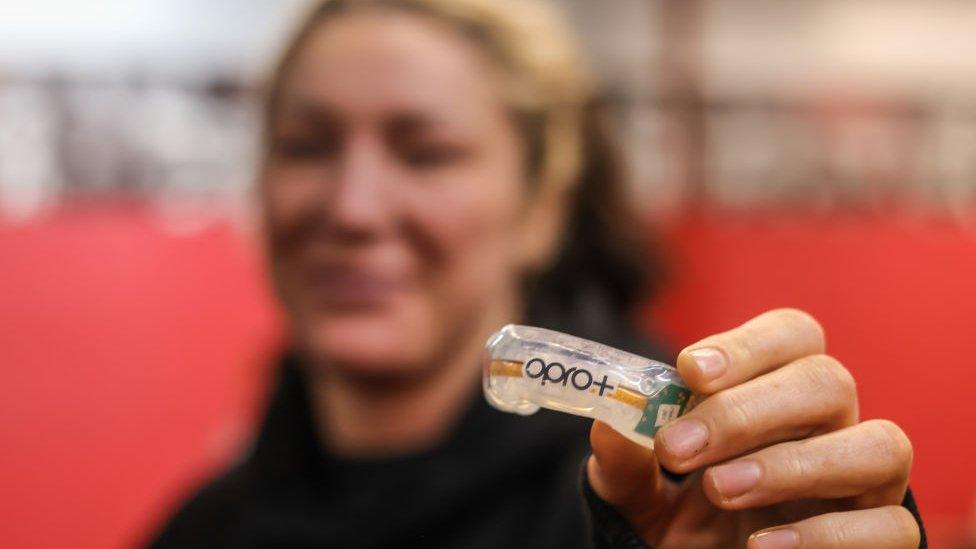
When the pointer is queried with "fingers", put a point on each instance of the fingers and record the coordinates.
(625, 475)
(889, 527)
(758, 346)
(812, 395)
(869, 462)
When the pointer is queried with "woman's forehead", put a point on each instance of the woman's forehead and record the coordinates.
(380, 61)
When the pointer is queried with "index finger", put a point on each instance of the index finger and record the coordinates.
(762, 344)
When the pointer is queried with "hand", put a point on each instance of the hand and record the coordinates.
(776, 454)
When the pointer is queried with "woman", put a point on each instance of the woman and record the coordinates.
(424, 158)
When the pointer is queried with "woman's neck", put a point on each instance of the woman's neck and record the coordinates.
(362, 420)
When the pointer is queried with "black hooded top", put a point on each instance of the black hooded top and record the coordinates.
(497, 481)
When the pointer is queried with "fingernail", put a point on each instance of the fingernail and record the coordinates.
(734, 479)
(783, 538)
(684, 439)
(711, 362)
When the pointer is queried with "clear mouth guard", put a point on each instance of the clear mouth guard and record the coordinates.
(528, 368)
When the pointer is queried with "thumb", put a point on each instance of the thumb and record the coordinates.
(627, 476)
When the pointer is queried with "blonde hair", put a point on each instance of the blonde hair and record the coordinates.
(540, 66)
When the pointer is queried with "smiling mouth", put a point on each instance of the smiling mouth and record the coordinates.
(345, 288)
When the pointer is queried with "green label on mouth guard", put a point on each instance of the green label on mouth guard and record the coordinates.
(661, 408)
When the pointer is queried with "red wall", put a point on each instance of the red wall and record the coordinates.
(129, 363)
(132, 360)
(897, 297)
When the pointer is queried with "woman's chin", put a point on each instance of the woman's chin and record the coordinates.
(369, 349)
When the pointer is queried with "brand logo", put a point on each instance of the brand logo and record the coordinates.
(579, 378)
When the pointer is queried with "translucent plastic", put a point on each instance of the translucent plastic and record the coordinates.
(526, 368)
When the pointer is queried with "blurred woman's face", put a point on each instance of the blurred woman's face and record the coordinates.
(394, 191)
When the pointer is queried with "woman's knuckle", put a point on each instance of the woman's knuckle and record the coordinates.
(845, 534)
(891, 526)
(740, 345)
(801, 322)
(796, 464)
(735, 410)
(892, 442)
(831, 377)
(835, 530)
(901, 521)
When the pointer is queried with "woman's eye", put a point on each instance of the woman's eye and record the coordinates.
(304, 148)
(426, 157)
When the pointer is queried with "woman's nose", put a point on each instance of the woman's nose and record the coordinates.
(360, 202)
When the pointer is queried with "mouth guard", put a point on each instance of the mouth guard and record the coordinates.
(528, 368)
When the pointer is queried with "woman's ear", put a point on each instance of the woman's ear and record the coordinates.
(543, 227)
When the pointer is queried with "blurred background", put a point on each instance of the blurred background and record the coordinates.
(810, 153)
